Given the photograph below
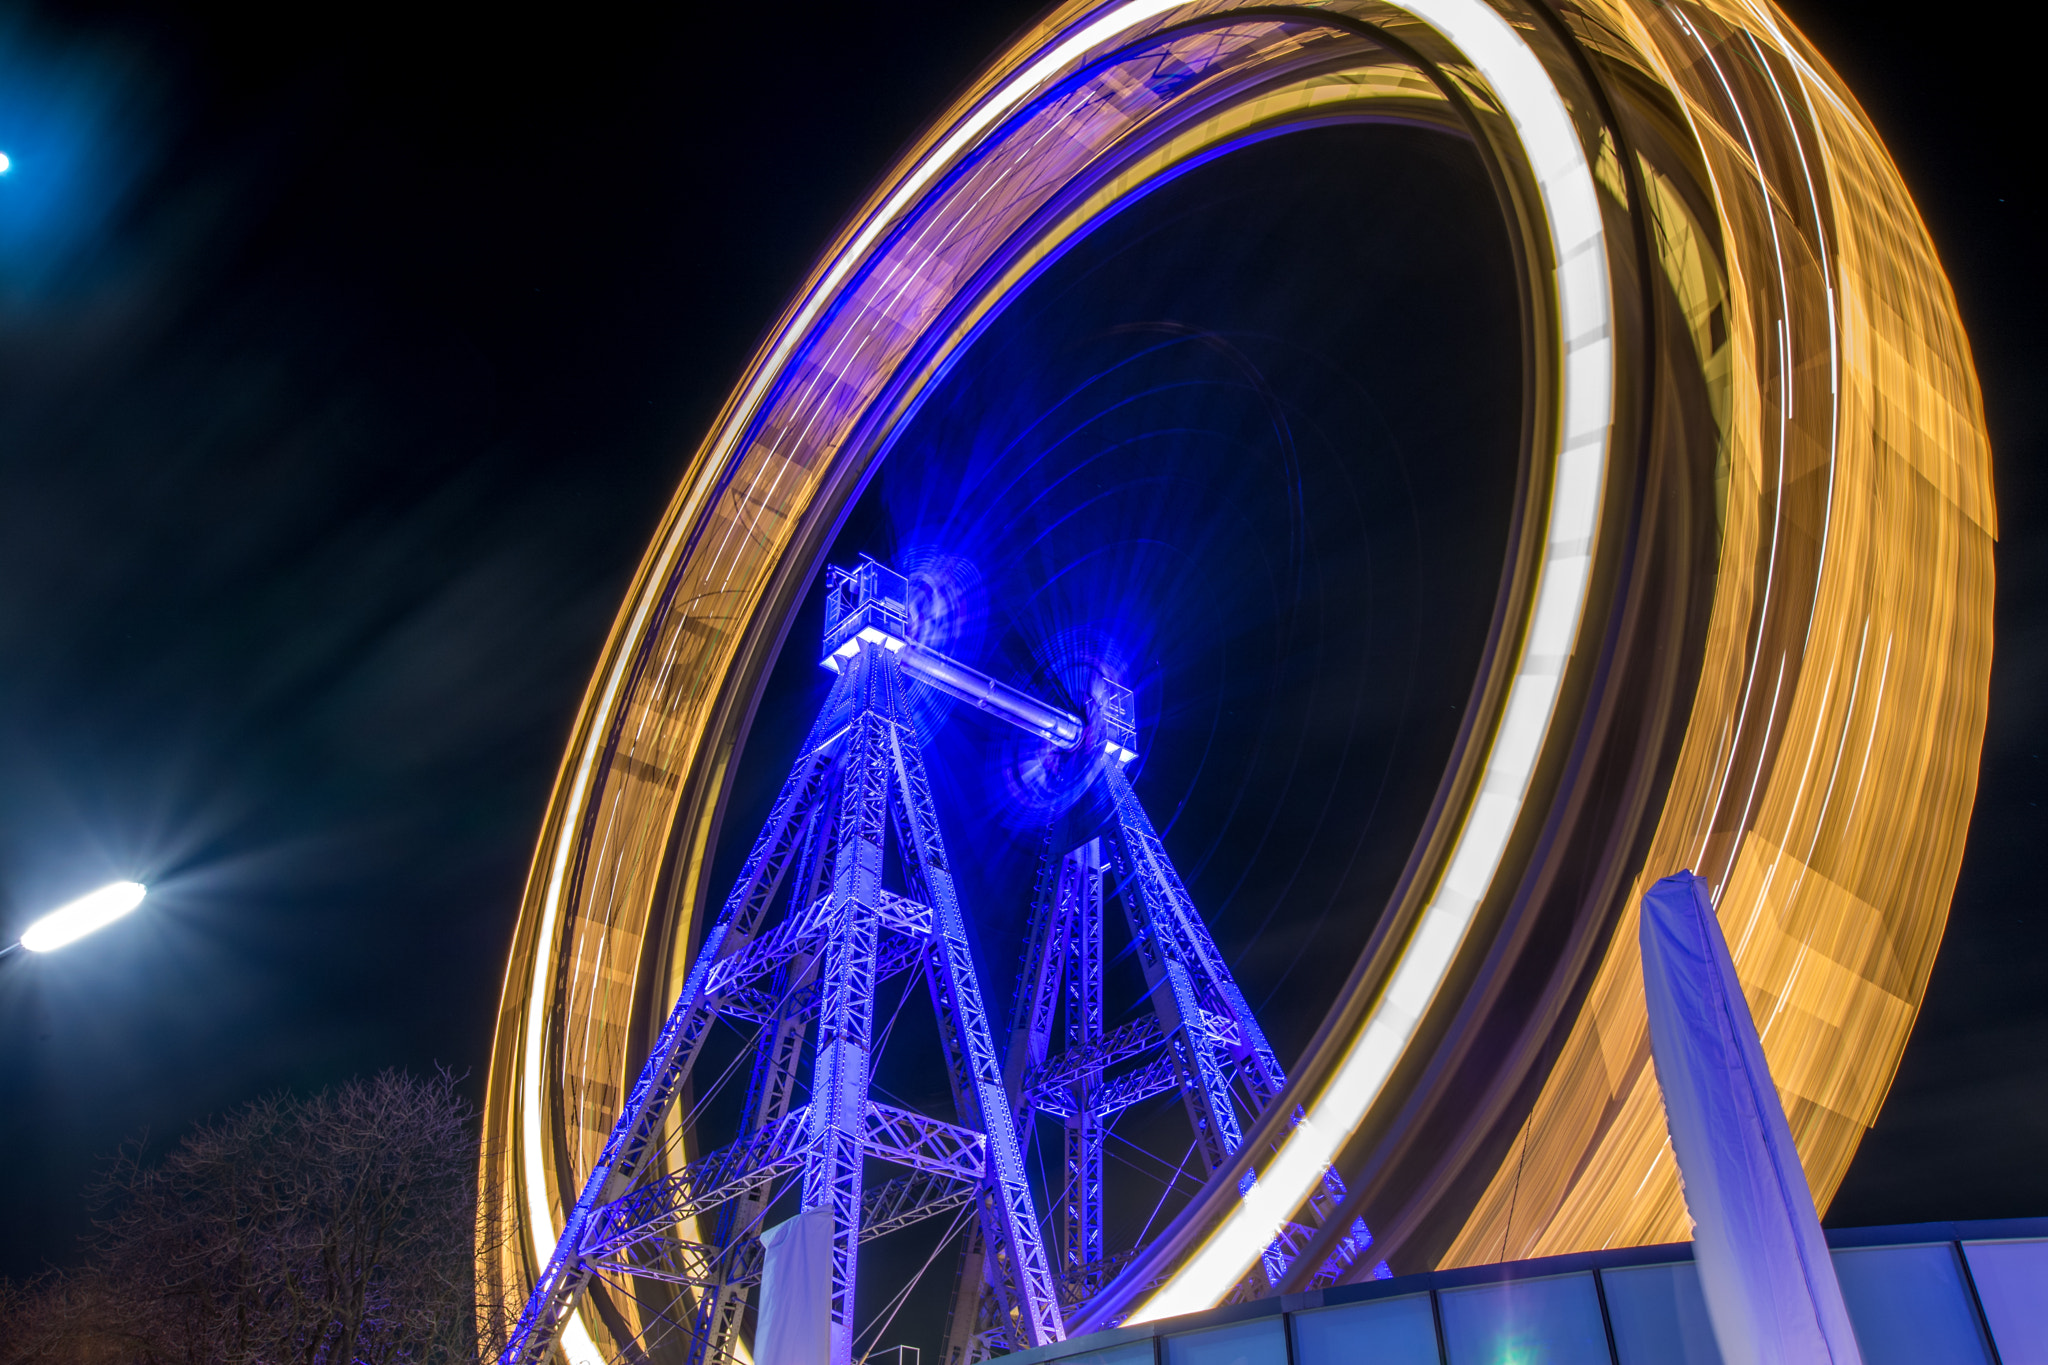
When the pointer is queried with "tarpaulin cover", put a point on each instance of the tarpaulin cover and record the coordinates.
(1769, 1284)
(795, 1326)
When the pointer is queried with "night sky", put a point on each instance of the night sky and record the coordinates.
(346, 361)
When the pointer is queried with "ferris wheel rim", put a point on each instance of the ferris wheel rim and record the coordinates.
(1066, 43)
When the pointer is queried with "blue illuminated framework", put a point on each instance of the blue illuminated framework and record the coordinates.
(805, 939)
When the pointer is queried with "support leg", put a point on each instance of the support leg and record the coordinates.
(839, 1089)
(1015, 1248)
(1085, 1132)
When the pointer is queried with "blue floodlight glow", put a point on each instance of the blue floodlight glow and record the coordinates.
(85, 119)
(94, 910)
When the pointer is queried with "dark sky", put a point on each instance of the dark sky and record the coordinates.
(346, 359)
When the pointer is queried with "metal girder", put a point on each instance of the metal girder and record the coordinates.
(904, 915)
(1176, 915)
(1085, 1131)
(1226, 1020)
(1198, 1039)
(1222, 1031)
(826, 961)
(702, 1185)
(696, 1265)
(1158, 1076)
(970, 1288)
(1172, 969)
(925, 1144)
(894, 954)
(1016, 1253)
(770, 1090)
(1205, 1088)
(886, 1208)
(1046, 1089)
(1038, 984)
(763, 958)
(1083, 1282)
(1128, 1040)
(912, 1199)
(846, 1007)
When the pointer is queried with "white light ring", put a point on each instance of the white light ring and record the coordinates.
(1557, 163)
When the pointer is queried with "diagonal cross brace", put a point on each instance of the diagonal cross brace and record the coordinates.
(702, 1185)
(1128, 1040)
(733, 985)
(925, 1144)
(886, 1208)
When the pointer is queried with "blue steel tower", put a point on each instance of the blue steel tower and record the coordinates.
(794, 960)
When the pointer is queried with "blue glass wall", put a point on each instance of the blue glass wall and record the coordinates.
(2011, 1279)
(1400, 1331)
(1940, 1292)
(1550, 1321)
(1262, 1341)
(1910, 1305)
(1659, 1315)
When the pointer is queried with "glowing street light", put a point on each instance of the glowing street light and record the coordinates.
(69, 923)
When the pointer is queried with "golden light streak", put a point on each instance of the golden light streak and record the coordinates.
(1824, 754)
(1835, 880)
(1579, 467)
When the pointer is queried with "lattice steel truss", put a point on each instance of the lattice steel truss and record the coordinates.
(805, 987)
(1194, 1036)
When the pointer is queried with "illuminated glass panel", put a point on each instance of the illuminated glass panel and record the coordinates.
(1553, 1321)
(1398, 1331)
(2012, 1284)
(1260, 1342)
(1910, 1305)
(1659, 1315)
(1130, 1353)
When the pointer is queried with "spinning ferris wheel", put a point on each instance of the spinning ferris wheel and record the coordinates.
(1740, 625)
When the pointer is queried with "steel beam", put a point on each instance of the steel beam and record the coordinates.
(846, 1009)
(1017, 1254)
(1086, 1128)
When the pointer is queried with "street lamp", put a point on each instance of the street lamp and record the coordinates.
(69, 923)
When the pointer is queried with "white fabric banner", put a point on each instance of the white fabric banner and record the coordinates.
(1770, 1286)
(795, 1323)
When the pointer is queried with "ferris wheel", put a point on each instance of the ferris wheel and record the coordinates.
(1741, 625)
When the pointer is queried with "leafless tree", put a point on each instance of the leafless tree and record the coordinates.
(336, 1230)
